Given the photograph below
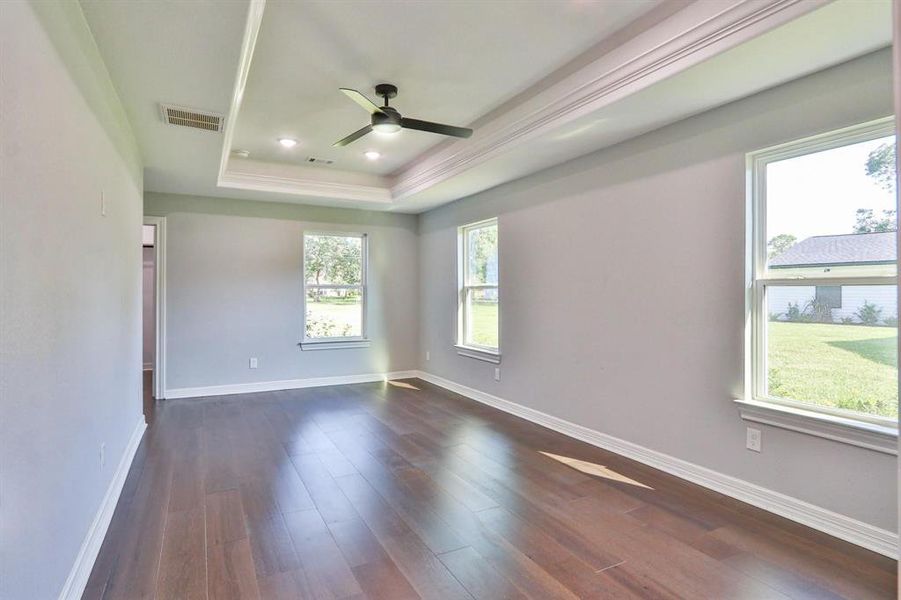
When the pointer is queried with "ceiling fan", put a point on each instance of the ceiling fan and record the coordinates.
(386, 119)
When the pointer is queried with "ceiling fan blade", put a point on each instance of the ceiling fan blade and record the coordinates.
(353, 137)
(461, 132)
(367, 104)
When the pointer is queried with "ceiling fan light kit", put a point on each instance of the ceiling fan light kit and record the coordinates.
(386, 118)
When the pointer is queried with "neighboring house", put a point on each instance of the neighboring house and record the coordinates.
(821, 254)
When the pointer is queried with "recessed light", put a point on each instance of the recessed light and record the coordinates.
(287, 142)
(372, 155)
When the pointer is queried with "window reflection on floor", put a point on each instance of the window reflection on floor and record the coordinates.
(595, 469)
(402, 384)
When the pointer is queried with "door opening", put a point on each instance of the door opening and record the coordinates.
(149, 344)
(154, 298)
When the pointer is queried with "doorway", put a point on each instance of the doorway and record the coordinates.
(154, 313)
(148, 294)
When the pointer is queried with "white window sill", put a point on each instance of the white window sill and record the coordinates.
(333, 344)
(478, 354)
(840, 429)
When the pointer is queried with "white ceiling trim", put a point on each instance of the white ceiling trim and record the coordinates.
(633, 66)
(248, 43)
(308, 187)
(696, 33)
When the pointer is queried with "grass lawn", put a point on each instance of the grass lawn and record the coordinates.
(342, 314)
(845, 366)
(484, 323)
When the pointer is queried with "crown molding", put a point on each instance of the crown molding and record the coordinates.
(689, 36)
(698, 32)
(248, 43)
(305, 187)
(261, 182)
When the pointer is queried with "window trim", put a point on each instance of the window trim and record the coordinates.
(336, 343)
(476, 351)
(849, 431)
(755, 406)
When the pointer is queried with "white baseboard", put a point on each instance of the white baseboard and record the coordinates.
(288, 384)
(843, 527)
(90, 547)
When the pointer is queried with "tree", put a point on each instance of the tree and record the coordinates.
(332, 259)
(881, 166)
(780, 244)
(868, 222)
(482, 252)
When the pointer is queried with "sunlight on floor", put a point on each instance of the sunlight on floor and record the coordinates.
(402, 384)
(595, 469)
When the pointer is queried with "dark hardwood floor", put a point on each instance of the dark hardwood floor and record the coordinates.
(404, 490)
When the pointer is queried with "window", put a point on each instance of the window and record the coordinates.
(829, 296)
(823, 297)
(479, 299)
(334, 290)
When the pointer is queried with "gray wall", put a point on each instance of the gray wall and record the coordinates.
(622, 277)
(70, 292)
(233, 277)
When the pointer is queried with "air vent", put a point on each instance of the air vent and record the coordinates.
(188, 117)
(320, 161)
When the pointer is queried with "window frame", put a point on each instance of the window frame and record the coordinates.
(465, 288)
(758, 279)
(338, 342)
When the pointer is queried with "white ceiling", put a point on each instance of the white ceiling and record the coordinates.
(504, 66)
(452, 62)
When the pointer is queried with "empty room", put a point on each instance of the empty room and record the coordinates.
(532, 299)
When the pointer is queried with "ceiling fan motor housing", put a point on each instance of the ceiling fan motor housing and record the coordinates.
(387, 120)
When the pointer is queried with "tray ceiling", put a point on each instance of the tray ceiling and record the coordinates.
(540, 82)
(452, 62)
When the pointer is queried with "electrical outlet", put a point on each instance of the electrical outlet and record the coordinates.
(753, 442)
(254, 363)
(428, 355)
(497, 373)
(102, 455)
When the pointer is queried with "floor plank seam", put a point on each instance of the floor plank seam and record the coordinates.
(159, 562)
(622, 562)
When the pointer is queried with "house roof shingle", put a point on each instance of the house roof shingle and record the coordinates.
(853, 248)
